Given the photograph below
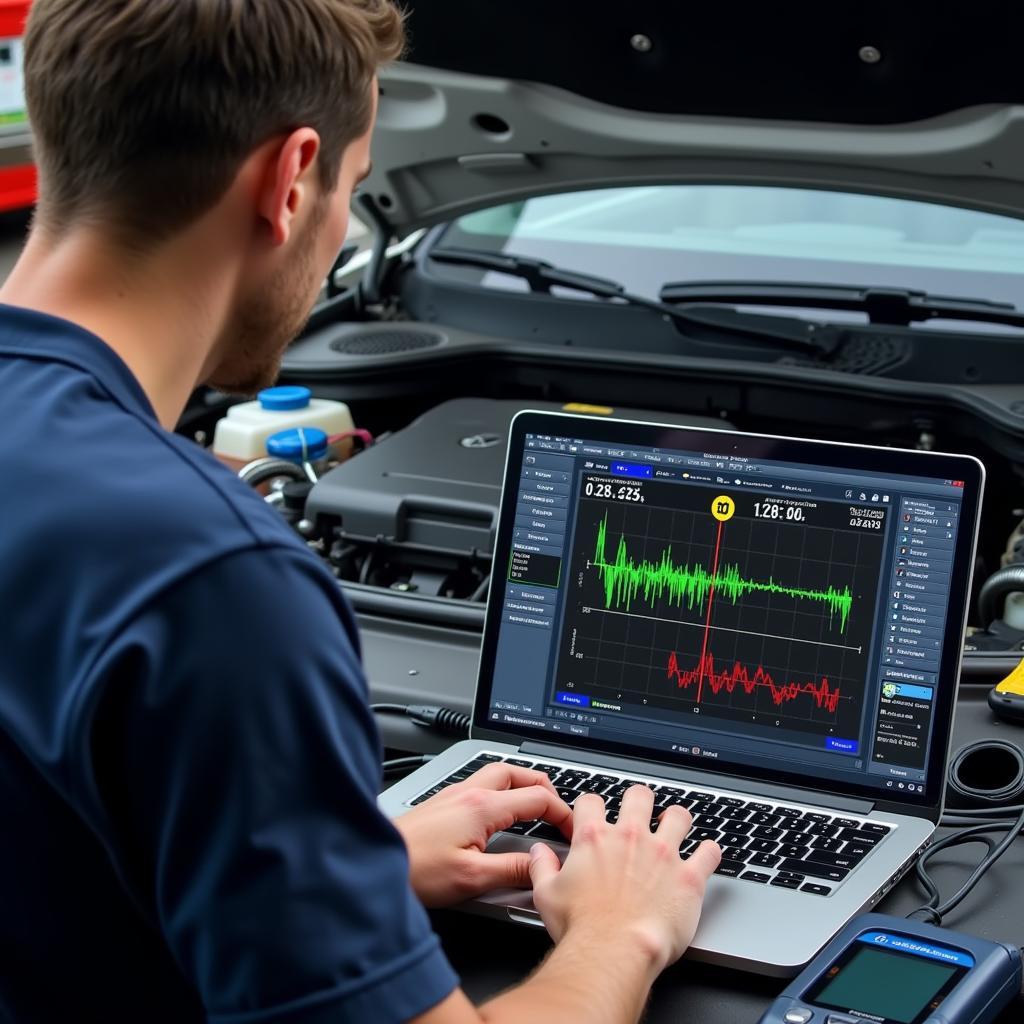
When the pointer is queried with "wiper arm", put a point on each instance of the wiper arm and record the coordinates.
(542, 276)
(896, 307)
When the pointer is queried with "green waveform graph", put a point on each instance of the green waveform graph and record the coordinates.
(623, 579)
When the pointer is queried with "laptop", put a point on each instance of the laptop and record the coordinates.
(767, 630)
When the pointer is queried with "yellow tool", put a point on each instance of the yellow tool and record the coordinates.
(1006, 699)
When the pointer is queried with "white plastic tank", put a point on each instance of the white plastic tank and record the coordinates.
(241, 436)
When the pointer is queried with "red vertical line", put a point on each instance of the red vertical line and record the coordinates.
(707, 621)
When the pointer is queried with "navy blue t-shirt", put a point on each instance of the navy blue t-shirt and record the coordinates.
(188, 767)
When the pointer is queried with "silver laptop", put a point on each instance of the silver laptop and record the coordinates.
(763, 629)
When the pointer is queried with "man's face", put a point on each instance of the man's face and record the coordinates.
(272, 314)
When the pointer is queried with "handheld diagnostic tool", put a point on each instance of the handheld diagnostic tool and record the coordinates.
(891, 970)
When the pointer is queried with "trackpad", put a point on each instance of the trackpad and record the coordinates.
(505, 842)
(518, 903)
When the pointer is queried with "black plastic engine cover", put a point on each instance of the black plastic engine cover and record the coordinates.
(437, 483)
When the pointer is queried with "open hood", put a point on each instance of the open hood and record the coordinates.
(920, 99)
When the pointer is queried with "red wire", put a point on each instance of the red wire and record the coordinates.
(363, 435)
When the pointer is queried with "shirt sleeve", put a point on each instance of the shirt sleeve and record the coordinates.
(236, 764)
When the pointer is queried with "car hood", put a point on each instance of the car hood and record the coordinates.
(500, 102)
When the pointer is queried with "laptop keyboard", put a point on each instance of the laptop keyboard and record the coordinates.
(762, 841)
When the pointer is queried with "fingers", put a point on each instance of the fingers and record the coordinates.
(504, 808)
(674, 824)
(587, 810)
(705, 859)
(544, 864)
(503, 870)
(506, 776)
(637, 805)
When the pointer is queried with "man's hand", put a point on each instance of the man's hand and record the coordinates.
(447, 835)
(624, 880)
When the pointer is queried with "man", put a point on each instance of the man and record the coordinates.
(188, 767)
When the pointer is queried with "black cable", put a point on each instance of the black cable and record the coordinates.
(453, 723)
(969, 768)
(401, 765)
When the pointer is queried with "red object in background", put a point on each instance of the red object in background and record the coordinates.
(18, 185)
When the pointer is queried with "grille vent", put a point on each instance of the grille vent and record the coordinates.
(386, 343)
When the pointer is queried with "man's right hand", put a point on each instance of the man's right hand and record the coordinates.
(624, 878)
(621, 908)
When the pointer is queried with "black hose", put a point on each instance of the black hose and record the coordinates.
(996, 589)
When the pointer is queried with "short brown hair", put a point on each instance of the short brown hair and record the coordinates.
(144, 110)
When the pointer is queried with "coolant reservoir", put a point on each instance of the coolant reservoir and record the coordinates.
(241, 436)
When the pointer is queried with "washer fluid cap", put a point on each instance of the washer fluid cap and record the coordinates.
(305, 444)
(285, 399)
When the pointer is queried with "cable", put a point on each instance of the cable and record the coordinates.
(401, 765)
(968, 769)
(453, 723)
(934, 910)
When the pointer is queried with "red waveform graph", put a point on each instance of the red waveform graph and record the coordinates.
(825, 696)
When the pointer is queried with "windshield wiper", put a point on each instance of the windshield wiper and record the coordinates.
(895, 307)
(708, 325)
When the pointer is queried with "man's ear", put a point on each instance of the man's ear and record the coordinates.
(288, 182)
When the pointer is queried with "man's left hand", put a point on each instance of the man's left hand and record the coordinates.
(447, 835)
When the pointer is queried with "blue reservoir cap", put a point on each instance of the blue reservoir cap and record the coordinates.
(285, 399)
(306, 444)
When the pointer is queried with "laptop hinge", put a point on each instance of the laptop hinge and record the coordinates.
(628, 765)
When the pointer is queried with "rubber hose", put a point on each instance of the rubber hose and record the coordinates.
(995, 589)
(262, 470)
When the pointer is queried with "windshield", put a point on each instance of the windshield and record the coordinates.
(646, 237)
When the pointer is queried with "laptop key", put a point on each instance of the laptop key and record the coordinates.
(766, 832)
(735, 853)
(818, 890)
(790, 824)
(763, 846)
(818, 843)
(696, 794)
(731, 801)
(820, 818)
(764, 818)
(765, 860)
(785, 883)
(707, 821)
(736, 813)
(819, 829)
(489, 757)
(518, 762)
(850, 835)
(858, 850)
(700, 834)
(793, 850)
(552, 771)
(874, 827)
(795, 837)
(755, 876)
(592, 786)
(810, 867)
(568, 795)
(740, 842)
(764, 808)
(736, 828)
(687, 847)
(846, 822)
(730, 868)
(835, 860)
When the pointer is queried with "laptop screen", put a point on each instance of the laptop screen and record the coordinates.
(725, 603)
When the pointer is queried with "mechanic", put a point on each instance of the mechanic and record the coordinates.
(188, 765)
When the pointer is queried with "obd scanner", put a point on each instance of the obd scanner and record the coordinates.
(891, 970)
